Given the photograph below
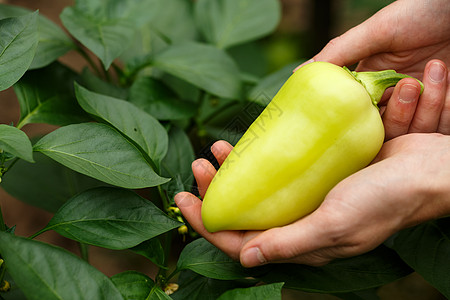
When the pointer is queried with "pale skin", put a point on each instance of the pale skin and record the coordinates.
(406, 184)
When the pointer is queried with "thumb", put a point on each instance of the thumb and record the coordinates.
(284, 243)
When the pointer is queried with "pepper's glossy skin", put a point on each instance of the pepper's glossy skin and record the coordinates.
(320, 127)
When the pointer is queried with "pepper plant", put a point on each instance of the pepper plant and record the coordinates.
(164, 81)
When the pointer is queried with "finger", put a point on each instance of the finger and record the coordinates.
(221, 149)
(204, 172)
(444, 122)
(228, 241)
(431, 102)
(400, 108)
(283, 243)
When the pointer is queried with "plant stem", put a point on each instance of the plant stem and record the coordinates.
(84, 249)
(377, 82)
(90, 61)
(2, 222)
(2, 270)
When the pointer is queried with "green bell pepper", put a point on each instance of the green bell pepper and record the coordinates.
(323, 125)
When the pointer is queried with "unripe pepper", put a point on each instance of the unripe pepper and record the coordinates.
(322, 126)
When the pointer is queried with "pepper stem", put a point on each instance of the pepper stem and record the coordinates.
(377, 82)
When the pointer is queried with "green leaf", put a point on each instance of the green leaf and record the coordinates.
(425, 248)
(372, 269)
(111, 218)
(105, 38)
(177, 163)
(44, 271)
(196, 287)
(136, 286)
(18, 42)
(268, 292)
(97, 85)
(46, 96)
(106, 27)
(267, 87)
(53, 42)
(152, 250)
(230, 22)
(16, 142)
(202, 65)
(101, 152)
(155, 35)
(205, 259)
(48, 184)
(154, 97)
(136, 124)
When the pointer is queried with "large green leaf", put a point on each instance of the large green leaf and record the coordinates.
(110, 218)
(48, 184)
(15, 142)
(268, 291)
(46, 96)
(154, 97)
(44, 271)
(204, 66)
(137, 286)
(160, 31)
(177, 163)
(106, 38)
(373, 269)
(135, 123)
(225, 23)
(53, 42)
(18, 42)
(197, 287)
(101, 152)
(425, 248)
(205, 259)
(106, 27)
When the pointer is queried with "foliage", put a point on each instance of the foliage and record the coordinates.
(162, 83)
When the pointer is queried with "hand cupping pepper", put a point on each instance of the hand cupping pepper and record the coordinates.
(322, 126)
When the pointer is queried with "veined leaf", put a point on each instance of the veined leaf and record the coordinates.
(135, 123)
(46, 96)
(373, 269)
(157, 99)
(106, 27)
(202, 65)
(225, 23)
(110, 218)
(268, 291)
(425, 248)
(43, 271)
(18, 42)
(205, 259)
(101, 152)
(53, 42)
(16, 142)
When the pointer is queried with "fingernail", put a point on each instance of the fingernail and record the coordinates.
(183, 200)
(304, 64)
(437, 72)
(253, 257)
(408, 93)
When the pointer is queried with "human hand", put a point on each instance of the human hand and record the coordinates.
(356, 216)
(403, 36)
